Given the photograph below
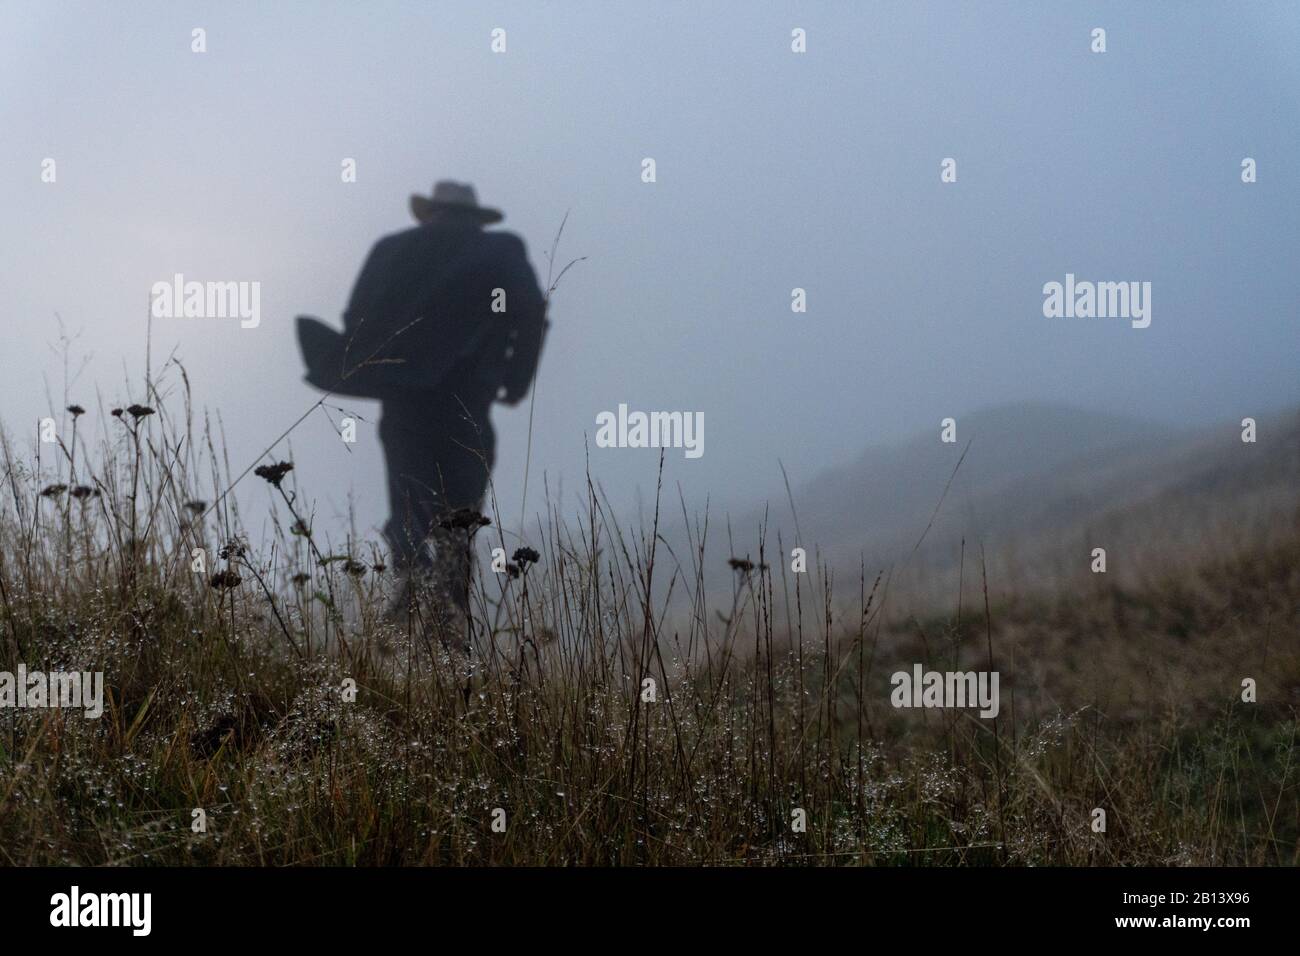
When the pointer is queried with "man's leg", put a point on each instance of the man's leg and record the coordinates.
(435, 466)
(410, 512)
(465, 462)
(411, 504)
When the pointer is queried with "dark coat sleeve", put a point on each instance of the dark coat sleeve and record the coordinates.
(367, 292)
(525, 318)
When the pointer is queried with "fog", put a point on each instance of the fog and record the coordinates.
(774, 171)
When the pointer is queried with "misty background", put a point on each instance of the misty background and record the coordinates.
(775, 170)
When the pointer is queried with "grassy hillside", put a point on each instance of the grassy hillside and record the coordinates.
(228, 692)
(1038, 488)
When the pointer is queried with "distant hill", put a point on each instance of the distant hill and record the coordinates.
(1037, 484)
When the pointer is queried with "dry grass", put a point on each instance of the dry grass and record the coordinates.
(230, 698)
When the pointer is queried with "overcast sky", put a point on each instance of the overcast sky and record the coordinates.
(775, 170)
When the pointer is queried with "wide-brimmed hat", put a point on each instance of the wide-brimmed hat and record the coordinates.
(453, 197)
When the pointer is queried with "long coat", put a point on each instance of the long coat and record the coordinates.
(421, 319)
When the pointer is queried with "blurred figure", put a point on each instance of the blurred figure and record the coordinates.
(444, 319)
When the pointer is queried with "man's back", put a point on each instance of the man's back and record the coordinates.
(448, 306)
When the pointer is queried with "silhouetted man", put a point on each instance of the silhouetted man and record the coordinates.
(444, 319)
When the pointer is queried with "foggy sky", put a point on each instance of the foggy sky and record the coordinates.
(775, 170)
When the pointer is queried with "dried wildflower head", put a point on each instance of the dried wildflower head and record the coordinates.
(744, 565)
(232, 549)
(139, 411)
(512, 569)
(354, 568)
(116, 413)
(525, 556)
(53, 491)
(198, 507)
(274, 473)
(379, 567)
(464, 519)
(83, 491)
(76, 410)
(301, 578)
(225, 579)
